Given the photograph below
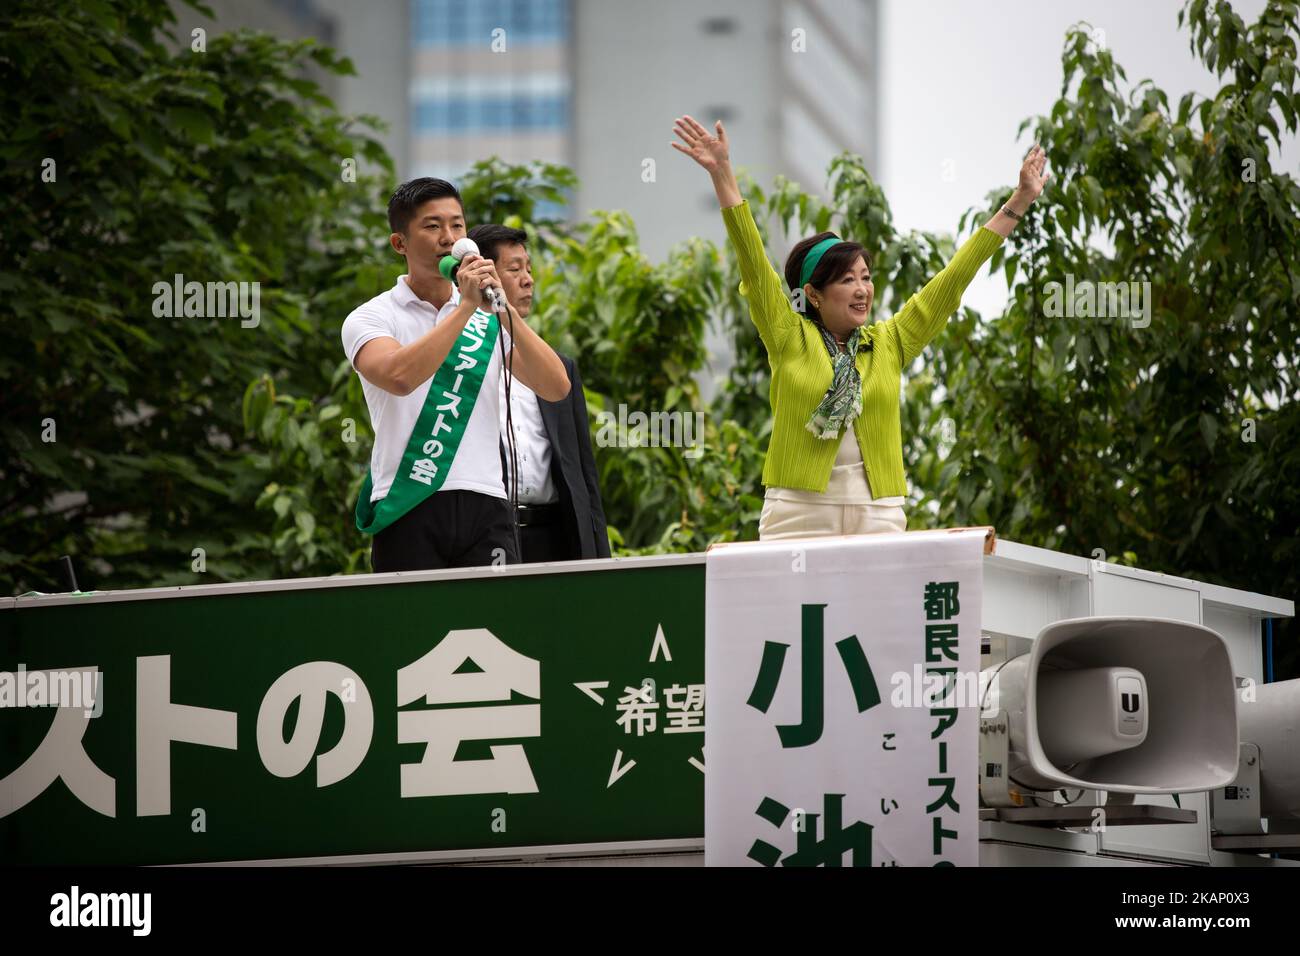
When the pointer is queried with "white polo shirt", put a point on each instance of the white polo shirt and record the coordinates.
(402, 315)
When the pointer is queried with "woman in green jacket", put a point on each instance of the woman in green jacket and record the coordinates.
(833, 373)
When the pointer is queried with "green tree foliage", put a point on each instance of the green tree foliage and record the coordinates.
(126, 163)
(1175, 446)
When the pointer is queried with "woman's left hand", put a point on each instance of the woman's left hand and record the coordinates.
(1032, 177)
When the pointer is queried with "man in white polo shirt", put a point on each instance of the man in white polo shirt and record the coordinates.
(430, 366)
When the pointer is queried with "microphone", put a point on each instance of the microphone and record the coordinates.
(449, 267)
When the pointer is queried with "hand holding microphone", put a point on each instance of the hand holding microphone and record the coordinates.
(450, 269)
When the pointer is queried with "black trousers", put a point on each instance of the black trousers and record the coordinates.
(448, 529)
(545, 543)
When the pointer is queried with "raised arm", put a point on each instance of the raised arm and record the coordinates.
(926, 312)
(711, 152)
(769, 309)
(1029, 188)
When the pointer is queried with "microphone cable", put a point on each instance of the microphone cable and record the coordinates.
(507, 370)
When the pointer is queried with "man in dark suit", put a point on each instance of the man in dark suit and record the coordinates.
(560, 513)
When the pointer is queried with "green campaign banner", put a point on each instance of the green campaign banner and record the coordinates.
(375, 714)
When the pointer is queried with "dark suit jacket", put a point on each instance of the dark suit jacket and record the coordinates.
(573, 470)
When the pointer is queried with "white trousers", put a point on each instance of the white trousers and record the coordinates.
(795, 519)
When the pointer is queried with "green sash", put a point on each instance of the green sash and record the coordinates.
(439, 429)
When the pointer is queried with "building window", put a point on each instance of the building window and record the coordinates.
(522, 112)
(462, 23)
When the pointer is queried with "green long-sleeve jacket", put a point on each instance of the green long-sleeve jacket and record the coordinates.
(801, 368)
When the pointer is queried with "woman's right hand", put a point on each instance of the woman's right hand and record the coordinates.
(710, 151)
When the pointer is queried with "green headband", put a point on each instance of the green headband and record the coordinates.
(815, 256)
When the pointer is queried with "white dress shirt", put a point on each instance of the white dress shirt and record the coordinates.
(531, 444)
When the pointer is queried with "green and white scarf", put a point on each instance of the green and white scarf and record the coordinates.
(842, 402)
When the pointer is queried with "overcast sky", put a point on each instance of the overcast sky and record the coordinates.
(958, 77)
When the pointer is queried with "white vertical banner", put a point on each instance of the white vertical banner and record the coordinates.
(842, 677)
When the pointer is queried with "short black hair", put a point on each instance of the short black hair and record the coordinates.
(413, 194)
(490, 237)
(836, 261)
